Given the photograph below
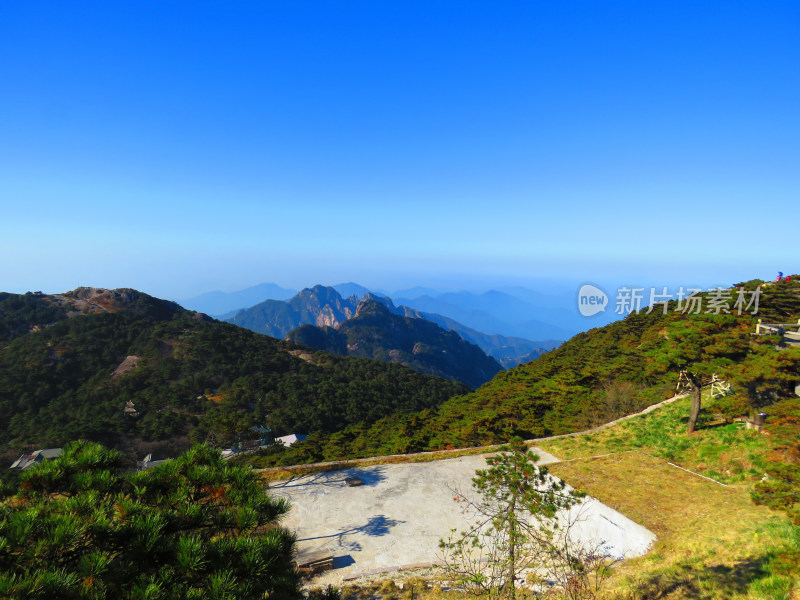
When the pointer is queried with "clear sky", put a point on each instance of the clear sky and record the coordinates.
(182, 147)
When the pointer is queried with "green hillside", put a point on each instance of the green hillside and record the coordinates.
(20, 312)
(374, 332)
(188, 377)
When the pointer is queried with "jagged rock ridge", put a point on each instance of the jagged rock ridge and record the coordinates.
(376, 331)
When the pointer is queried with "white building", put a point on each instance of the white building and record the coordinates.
(290, 439)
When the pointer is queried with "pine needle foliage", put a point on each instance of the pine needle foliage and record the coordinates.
(81, 527)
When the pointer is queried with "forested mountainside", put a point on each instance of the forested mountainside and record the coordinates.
(70, 364)
(599, 375)
(24, 313)
(374, 332)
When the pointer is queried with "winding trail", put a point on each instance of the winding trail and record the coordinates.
(443, 454)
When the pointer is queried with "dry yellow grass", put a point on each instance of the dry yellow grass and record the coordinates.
(281, 473)
(712, 541)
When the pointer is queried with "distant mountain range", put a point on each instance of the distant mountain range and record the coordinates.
(376, 332)
(509, 351)
(325, 306)
(353, 289)
(512, 311)
(224, 305)
(497, 312)
(219, 303)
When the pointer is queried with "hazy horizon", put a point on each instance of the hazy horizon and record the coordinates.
(445, 283)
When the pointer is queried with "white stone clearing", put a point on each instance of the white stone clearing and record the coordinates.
(397, 517)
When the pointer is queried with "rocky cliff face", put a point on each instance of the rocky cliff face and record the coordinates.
(321, 306)
(326, 303)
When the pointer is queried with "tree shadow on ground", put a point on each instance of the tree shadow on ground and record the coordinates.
(370, 476)
(376, 526)
(688, 579)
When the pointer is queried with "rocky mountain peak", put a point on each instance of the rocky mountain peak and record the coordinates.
(88, 300)
(372, 306)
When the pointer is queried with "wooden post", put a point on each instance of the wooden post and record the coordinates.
(696, 387)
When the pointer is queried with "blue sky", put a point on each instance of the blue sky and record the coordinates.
(182, 147)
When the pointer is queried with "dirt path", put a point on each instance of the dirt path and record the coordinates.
(433, 455)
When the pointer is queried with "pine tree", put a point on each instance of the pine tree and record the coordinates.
(193, 527)
(515, 523)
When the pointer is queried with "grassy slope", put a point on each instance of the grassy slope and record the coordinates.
(725, 452)
(713, 542)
